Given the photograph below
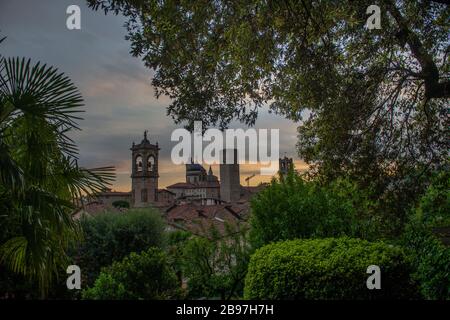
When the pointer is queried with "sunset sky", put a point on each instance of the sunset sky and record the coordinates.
(116, 87)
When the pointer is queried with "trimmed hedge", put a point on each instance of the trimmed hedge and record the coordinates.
(330, 268)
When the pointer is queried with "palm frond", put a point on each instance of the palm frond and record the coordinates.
(38, 91)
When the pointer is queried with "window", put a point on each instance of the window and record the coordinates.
(138, 163)
(150, 163)
(144, 195)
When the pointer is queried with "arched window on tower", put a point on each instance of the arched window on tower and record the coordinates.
(150, 164)
(138, 164)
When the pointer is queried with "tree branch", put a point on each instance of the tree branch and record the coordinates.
(430, 72)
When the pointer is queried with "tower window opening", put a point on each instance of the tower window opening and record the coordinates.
(138, 163)
(151, 164)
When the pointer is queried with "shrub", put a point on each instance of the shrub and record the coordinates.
(331, 268)
(138, 276)
(430, 257)
(111, 236)
(293, 208)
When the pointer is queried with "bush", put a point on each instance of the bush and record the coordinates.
(430, 257)
(327, 269)
(293, 208)
(111, 236)
(138, 276)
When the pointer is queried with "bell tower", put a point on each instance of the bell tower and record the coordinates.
(144, 173)
(285, 164)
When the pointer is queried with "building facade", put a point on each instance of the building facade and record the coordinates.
(198, 185)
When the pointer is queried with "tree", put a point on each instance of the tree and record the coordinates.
(138, 276)
(295, 208)
(216, 266)
(40, 180)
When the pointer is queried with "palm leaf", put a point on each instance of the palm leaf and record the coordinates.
(38, 91)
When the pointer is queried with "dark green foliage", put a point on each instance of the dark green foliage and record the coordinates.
(431, 261)
(138, 276)
(434, 205)
(176, 237)
(16, 286)
(430, 257)
(176, 241)
(215, 267)
(39, 174)
(111, 236)
(121, 204)
(295, 208)
(327, 269)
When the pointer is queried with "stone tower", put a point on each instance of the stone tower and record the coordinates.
(144, 173)
(230, 186)
(285, 164)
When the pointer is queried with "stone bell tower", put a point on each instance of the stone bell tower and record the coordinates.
(285, 164)
(144, 173)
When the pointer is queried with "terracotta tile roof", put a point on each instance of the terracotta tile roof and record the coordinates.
(181, 185)
(200, 219)
(248, 192)
(202, 184)
(92, 208)
(165, 190)
(114, 193)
